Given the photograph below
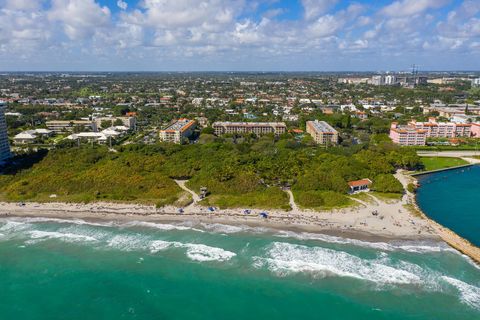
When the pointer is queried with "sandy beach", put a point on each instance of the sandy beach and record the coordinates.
(391, 218)
(370, 220)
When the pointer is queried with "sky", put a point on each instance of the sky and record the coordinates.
(239, 35)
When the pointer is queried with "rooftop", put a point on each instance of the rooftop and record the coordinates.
(250, 124)
(179, 125)
(322, 126)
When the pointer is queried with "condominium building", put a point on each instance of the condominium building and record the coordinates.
(258, 128)
(4, 146)
(129, 122)
(436, 129)
(59, 126)
(179, 131)
(407, 135)
(322, 132)
(378, 80)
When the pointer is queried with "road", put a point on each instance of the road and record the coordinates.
(449, 153)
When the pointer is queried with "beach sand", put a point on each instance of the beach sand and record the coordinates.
(393, 221)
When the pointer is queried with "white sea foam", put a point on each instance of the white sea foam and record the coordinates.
(201, 252)
(160, 245)
(469, 294)
(160, 226)
(195, 251)
(68, 221)
(68, 237)
(127, 242)
(223, 228)
(230, 229)
(286, 258)
(408, 246)
(12, 226)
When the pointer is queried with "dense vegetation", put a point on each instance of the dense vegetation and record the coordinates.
(245, 174)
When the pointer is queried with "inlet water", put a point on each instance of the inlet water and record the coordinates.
(452, 198)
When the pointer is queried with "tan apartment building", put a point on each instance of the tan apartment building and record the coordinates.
(258, 128)
(322, 132)
(178, 132)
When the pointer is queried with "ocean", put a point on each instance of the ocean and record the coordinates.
(451, 198)
(74, 269)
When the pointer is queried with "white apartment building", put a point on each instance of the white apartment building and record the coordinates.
(129, 122)
(390, 80)
(59, 126)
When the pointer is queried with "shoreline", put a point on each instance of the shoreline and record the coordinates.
(418, 174)
(393, 221)
(449, 236)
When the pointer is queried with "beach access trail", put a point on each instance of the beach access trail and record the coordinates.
(181, 184)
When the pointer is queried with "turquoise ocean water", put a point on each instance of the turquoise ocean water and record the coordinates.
(61, 269)
(452, 198)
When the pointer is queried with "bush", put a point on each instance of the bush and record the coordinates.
(321, 199)
(411, 188)
(387, 183)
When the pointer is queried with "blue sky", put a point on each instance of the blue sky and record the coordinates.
(239, 35)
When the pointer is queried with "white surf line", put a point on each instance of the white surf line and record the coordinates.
(181, 184)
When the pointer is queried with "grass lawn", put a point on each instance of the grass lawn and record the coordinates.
(436, 163)
(387, 197)
(363, 196)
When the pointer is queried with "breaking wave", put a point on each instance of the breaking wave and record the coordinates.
(408, 246)
(285, 258)
(469, 294)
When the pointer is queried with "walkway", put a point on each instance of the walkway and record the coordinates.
(291, 200)
(449, 153)
(181, 184)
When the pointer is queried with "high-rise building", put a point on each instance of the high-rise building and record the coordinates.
(4, 146)
(378, 80)
(390, 80)
(476, 82)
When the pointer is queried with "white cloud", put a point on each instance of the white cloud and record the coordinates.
(122, 4)
(411, 7)
(315, 8)
(230, 32)
(80, 18)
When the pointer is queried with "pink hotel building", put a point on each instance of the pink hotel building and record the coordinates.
(416, 133)
(407, 135)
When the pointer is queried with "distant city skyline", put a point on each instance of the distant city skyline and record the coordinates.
(239, 35)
